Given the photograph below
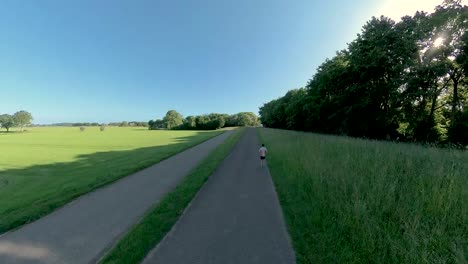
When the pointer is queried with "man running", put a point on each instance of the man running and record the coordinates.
(263, 151)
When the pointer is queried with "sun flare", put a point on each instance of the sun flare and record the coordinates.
(438, 42)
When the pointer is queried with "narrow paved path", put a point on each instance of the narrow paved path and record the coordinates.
(83, 230)
(235, 218)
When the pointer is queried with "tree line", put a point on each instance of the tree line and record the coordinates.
(402, 80)
(19, 119)
(174, 120)
(129, 124)
(87, 124)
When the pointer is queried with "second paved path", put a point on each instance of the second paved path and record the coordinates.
(81, 231)
(236, 217)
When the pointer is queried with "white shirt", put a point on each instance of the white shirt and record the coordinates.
(263, 151)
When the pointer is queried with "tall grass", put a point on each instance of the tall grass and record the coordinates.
(356, 201)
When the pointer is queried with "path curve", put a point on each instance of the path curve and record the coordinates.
(81, 231)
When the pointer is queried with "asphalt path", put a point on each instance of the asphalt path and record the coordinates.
(235, 218)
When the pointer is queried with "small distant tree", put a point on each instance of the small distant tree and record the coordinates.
(124, 124)
(102, 128)
(22, 118)
(82, 128)
(7, 121)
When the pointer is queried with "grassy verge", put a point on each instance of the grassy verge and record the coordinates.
(356, 201)
(45, 168)
(144, 236)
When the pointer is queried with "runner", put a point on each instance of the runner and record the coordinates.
(263, 151)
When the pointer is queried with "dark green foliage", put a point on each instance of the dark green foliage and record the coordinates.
(242, 119)
(210, 121)
(22, 118)
(190, 122)
(173, 119)
(463, 58)
(131, 124)
(458, 132)
(399, 81)
(7, 121)
(157, 124)
(85, 124)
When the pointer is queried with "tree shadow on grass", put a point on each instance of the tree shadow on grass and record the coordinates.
(29, 193)
(12, 132)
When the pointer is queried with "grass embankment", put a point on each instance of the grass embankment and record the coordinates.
(356, 201)
(44, 168)
(144, 236)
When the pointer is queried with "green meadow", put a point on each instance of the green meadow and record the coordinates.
(350, 200)
(45, 167)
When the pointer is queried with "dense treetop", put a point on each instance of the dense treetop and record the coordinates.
(174, 120)
(402, 80)
(19, 119)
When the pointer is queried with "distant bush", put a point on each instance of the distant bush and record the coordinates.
(102, 128)
(82, 128)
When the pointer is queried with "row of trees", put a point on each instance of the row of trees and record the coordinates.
(405, 80)
(129, 124)
(174, 120)
(19, 119)
(87, 124)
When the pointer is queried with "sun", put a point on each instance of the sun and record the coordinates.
(438, 42)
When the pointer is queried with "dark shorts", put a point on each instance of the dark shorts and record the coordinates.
(261, 157)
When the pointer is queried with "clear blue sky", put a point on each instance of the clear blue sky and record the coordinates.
(108, 60)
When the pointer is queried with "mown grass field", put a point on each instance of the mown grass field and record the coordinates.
(356, 201)
(44, 168)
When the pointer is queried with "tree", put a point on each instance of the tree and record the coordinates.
(215, 123)
(425, 81)
(242, 119)
(405, 80)
(172, 119)
(450, 22)
(294, 109)
(7, 121)
(22, 118)
(157, 124)
(462, 59)
(190, 122)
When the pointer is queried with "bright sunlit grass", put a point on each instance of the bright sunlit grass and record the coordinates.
(44, 168)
